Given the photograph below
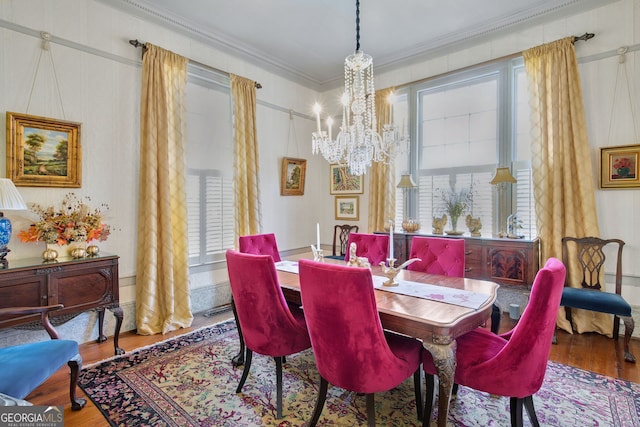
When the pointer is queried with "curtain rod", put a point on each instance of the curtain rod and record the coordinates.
(135, 43)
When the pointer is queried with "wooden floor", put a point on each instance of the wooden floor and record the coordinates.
(591, 352)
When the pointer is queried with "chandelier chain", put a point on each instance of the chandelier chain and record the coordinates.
(357, 25)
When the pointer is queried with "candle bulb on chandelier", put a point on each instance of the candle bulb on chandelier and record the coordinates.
(329, 123)
(317, 109)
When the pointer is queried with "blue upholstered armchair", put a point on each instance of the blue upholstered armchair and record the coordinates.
(24, 367)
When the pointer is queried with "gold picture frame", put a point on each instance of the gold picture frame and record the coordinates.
(43, 152)
(347, 208)
(292, 176)
(619, 166)
(342, 182)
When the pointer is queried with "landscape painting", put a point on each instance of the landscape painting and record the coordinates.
(43, 152)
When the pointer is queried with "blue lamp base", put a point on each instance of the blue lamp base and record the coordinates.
(5, 237)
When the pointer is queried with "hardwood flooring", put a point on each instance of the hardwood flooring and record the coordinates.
(592, 352)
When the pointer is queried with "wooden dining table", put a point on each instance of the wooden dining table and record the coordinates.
(437, 324)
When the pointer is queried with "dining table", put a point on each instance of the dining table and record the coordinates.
(432, 308)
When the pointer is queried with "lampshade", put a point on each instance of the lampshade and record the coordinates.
(502, 175)
(10, 198)
(406, 182)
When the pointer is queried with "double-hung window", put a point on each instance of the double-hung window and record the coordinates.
(465, 125)
(209, 166)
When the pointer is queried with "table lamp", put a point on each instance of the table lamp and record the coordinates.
(407, 183)
(501, 179)
(10, 199)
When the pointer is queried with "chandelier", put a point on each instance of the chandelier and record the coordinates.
(358, 142)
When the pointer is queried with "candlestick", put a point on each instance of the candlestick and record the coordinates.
(318, 235)
(391, 240)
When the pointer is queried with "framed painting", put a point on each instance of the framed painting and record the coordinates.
(342, 182)
(619, 166)
(292, 177)
(347, 208)
(43, 152)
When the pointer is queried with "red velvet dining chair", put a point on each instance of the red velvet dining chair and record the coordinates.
(269, 326)
(259, 244)
(444, 256)
(351, 349)
(438, 255)
(512, 364)
(374, 247)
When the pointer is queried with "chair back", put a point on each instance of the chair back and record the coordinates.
(524, 357)
(347, 338)
(341, 237)
(374, 247)
(267, 324)
(585, 258)
(260, 244)
(439, 255)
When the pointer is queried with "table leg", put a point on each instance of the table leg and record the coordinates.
(444, 358)
(101, 336)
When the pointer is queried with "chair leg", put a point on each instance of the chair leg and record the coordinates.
(417, 387)
(322, 395)
(629, 325)
(238, 359)
(515, 406)
(496, 316)
(528, 404)
(371, 410)
(245, 371)
(278, 386)
(428, 401)
(75, 365)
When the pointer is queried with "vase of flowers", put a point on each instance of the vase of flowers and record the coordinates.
(455, 204)
(74, 221)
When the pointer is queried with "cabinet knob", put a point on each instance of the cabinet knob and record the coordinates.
(468, 252)
(468, 269)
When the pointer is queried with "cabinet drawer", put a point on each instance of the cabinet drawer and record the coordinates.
(473, 265)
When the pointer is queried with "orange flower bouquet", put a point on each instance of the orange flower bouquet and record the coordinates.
(75, 221)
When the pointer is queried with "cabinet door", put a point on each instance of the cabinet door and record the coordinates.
(507, 265)
(22, 289)
(84, 288)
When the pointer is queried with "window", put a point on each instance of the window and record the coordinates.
(466, 124)
(209, 166)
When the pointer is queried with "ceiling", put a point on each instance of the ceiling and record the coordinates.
(307, 40)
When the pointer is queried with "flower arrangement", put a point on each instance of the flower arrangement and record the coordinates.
(74, 221)
(622, 162)
(456, 203)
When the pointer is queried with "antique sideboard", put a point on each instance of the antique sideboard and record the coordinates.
(79, 284)
(502, 260)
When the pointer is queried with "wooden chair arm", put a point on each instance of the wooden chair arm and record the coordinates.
(44, 316)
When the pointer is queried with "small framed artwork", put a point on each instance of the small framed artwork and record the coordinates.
(619, 166)
(342, 182)
(292, 177)
(43, 152)
(347, 208)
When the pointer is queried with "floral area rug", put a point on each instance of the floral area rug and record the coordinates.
(189, 381)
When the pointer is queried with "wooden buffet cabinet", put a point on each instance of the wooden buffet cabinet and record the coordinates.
(78, 284)
(502, 260)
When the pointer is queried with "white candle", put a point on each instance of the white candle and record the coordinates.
(317, 109)
(318, 236)
(329, 123)
(391, 241)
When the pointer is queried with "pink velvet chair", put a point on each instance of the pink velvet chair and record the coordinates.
(512, 364)
(438, 255)
(374, 247)
(351, 349)
(269, 326)
(260, 244)
(257, 244)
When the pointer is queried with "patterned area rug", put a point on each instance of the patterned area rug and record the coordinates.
(189, 381)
